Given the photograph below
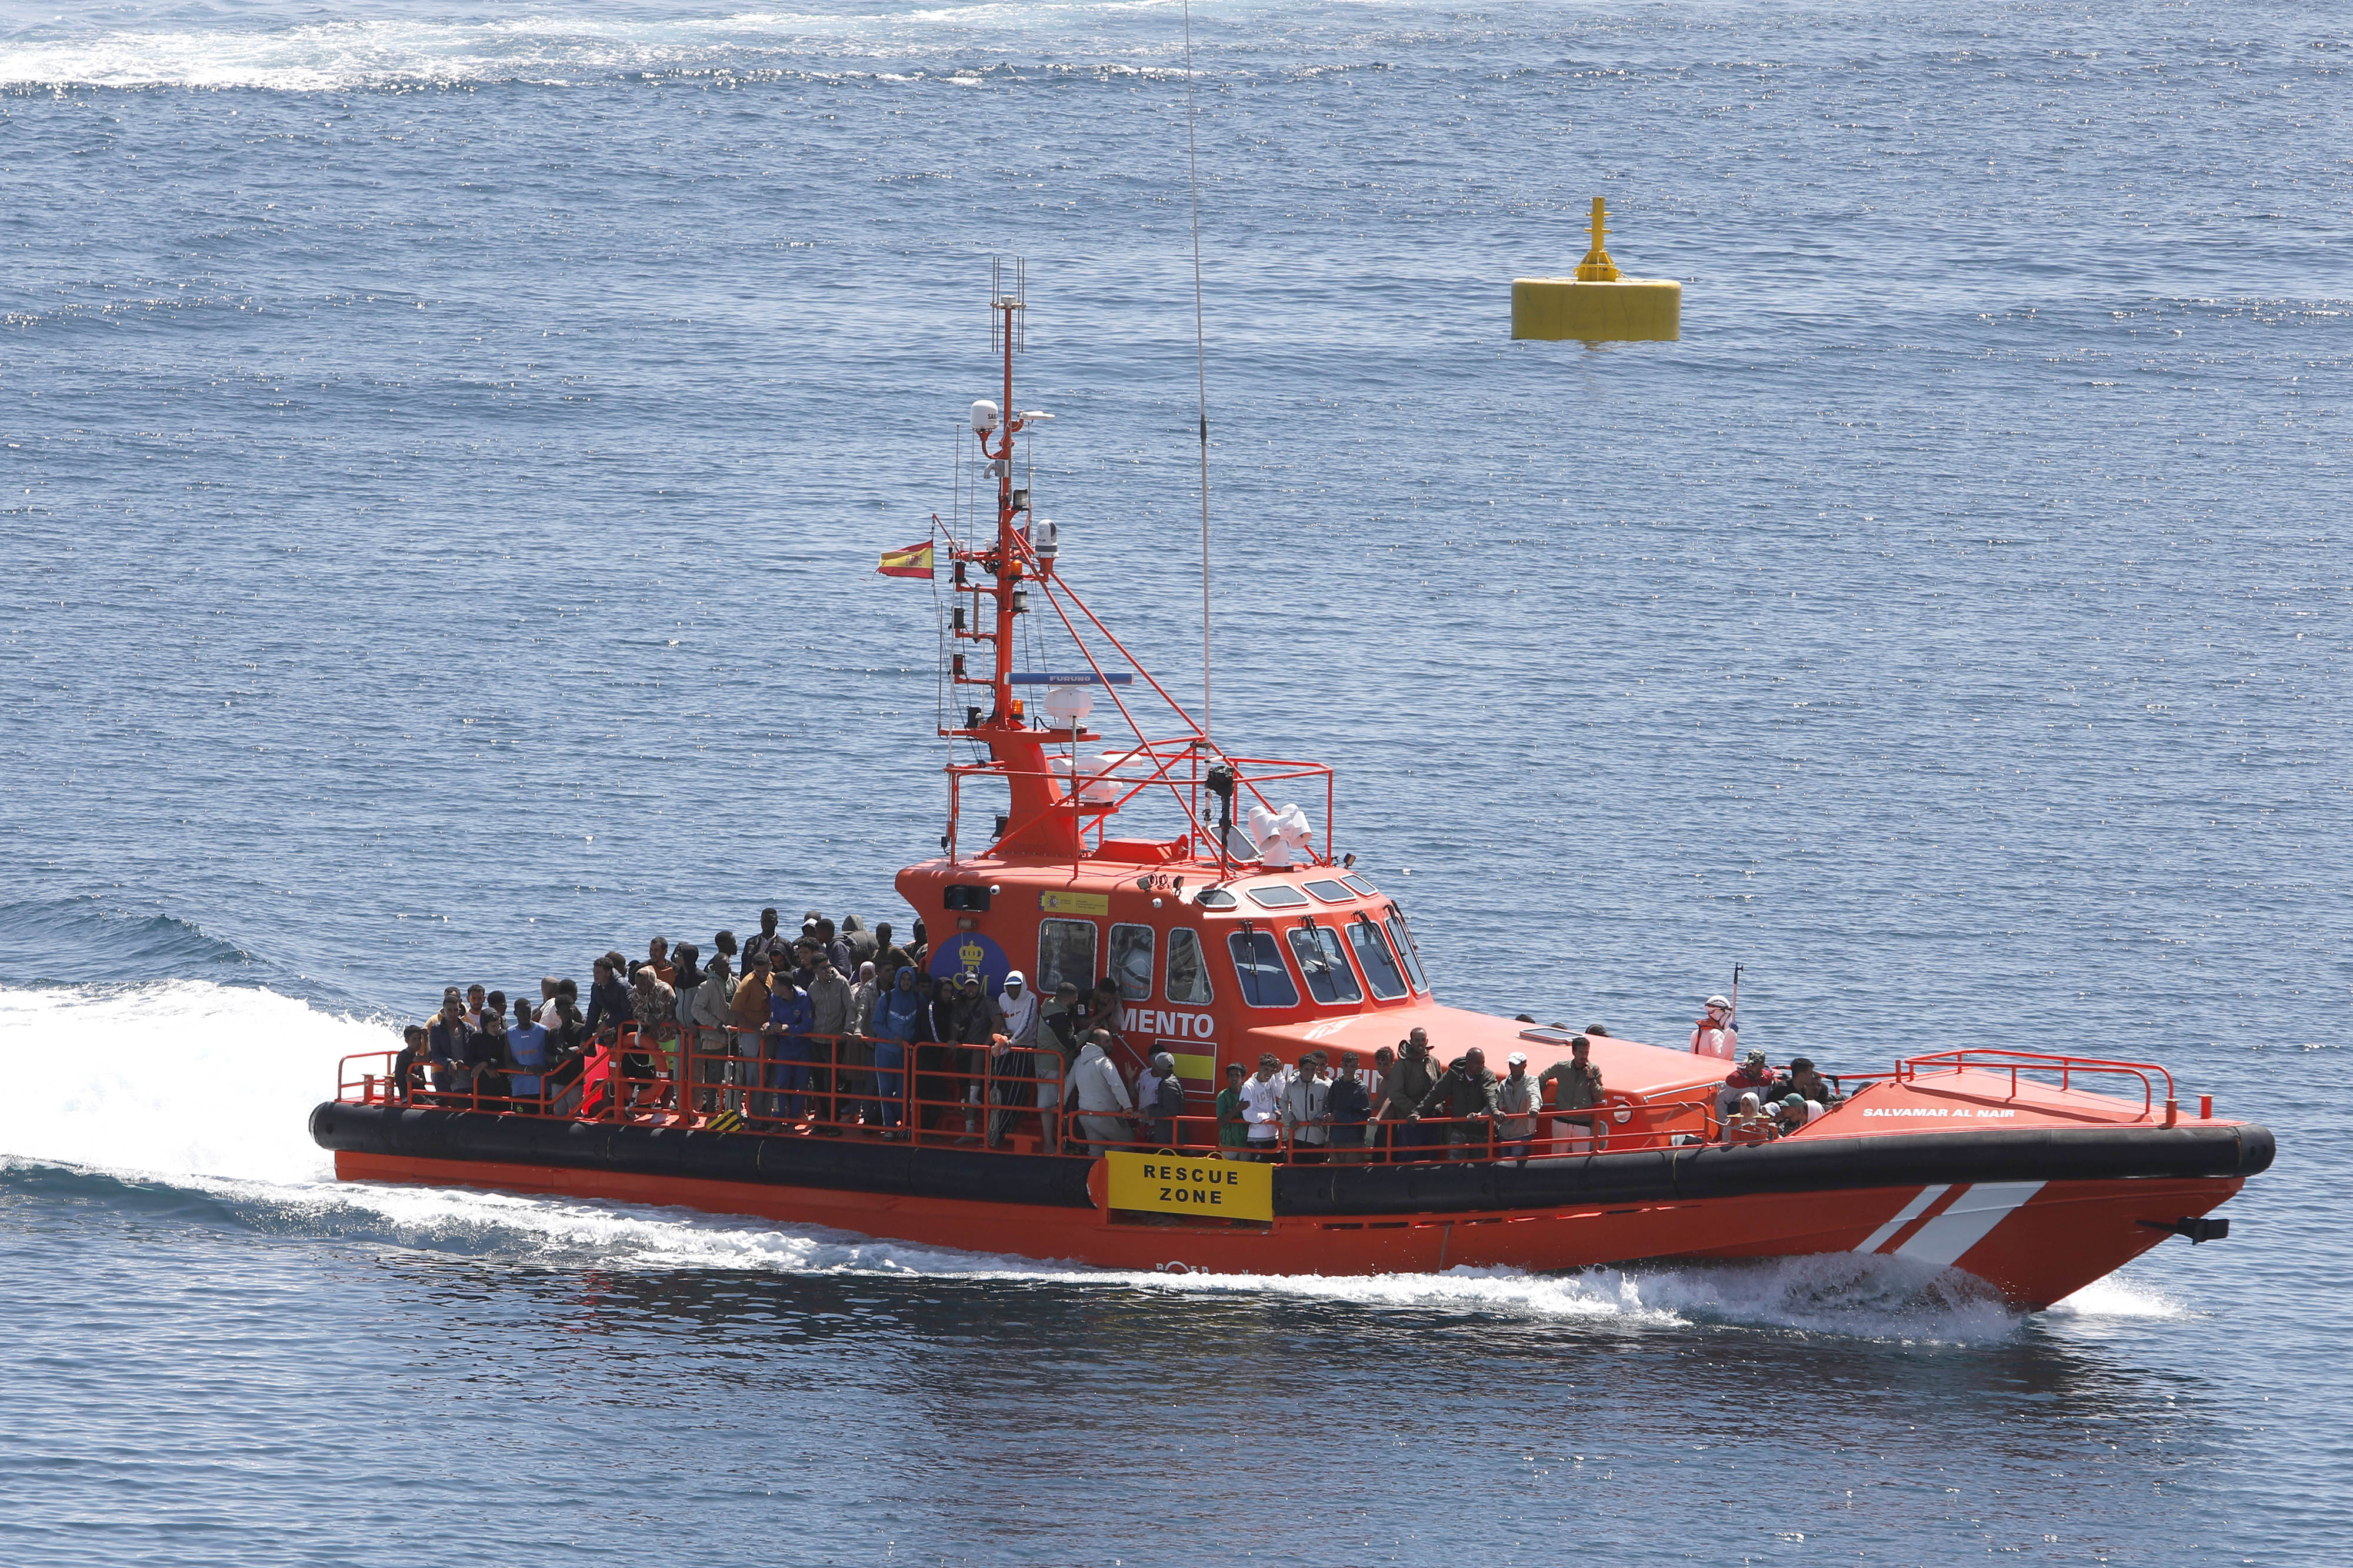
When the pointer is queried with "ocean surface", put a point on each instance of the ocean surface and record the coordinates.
(447, 450)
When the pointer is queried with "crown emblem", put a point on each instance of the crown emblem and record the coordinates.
(971, 954)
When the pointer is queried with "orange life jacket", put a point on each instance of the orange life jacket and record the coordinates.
(1712, 1038)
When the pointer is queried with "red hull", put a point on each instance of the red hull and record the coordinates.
(2035, 1242)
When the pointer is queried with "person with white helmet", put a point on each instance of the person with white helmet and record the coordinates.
(1717, 1034)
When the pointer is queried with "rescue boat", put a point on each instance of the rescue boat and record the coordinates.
(1233, 931)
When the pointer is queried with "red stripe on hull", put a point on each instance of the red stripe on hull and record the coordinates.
(2069, 1234)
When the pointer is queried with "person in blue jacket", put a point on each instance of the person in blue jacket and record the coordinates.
(900, 1019)
(790, 1019)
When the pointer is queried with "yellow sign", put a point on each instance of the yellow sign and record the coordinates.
(1075, 903)
(1220, 1189)
(1190, 1068)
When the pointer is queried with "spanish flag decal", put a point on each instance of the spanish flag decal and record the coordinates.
(914, 561)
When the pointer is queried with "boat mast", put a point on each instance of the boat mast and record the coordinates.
(1006, 321)
(1006, 559)
(1036, 823)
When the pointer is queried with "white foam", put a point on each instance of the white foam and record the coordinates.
(442, 50)
(2117, 1297)
(173, 1078)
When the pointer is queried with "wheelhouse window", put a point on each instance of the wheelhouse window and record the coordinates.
(1066, 950)
(1330, 891)
(1213, 899)
(1188, 976)
(1380, 967)
(1131, 962)
(1404, 940)
(1362, 885)
(1258, 965)
(1277, 896)
(1329, 978)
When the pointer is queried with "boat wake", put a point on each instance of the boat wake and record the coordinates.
(194, 1095)
(137, 47)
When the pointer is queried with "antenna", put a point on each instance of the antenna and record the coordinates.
(999, 299)
(1200, 366)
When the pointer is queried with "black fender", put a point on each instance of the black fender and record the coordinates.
(1794, 1165)
(842, 1164)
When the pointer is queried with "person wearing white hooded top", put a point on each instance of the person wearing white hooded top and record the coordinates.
(1019, 1006)
(1104, 1108)
(1012, 1070)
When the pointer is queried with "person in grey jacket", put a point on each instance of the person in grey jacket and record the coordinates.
(1517, 1098)
(1104, 1109)
(708, 1010)
(829, 998)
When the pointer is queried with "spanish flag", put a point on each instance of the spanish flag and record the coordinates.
(914, 561)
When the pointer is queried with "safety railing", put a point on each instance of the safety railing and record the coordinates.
(2066, 1068)
(1620, 1124)
(997, 1095)
(762, 1079)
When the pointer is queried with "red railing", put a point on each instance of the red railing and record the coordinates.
(952, 1094)
(2066, 1068)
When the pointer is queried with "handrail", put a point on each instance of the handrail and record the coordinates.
(943, 1093)
(1907, 1069)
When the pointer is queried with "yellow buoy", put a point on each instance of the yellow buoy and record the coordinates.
(1599, 304)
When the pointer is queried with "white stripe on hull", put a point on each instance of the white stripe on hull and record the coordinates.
(1904, 1216)
(1970, 1220)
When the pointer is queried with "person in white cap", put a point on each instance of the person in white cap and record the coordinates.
(1019, 1006)
(1717, 1034)
(1516, 1098)
(1015, 1079)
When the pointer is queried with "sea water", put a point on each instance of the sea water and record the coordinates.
(447, 450)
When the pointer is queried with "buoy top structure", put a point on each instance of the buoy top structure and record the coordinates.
(1599, 305)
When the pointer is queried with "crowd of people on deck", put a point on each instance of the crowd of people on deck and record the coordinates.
(833, 1027)
(820, 1029)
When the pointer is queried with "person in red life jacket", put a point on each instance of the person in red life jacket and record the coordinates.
(1716, 1034)
(1751, 1074)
